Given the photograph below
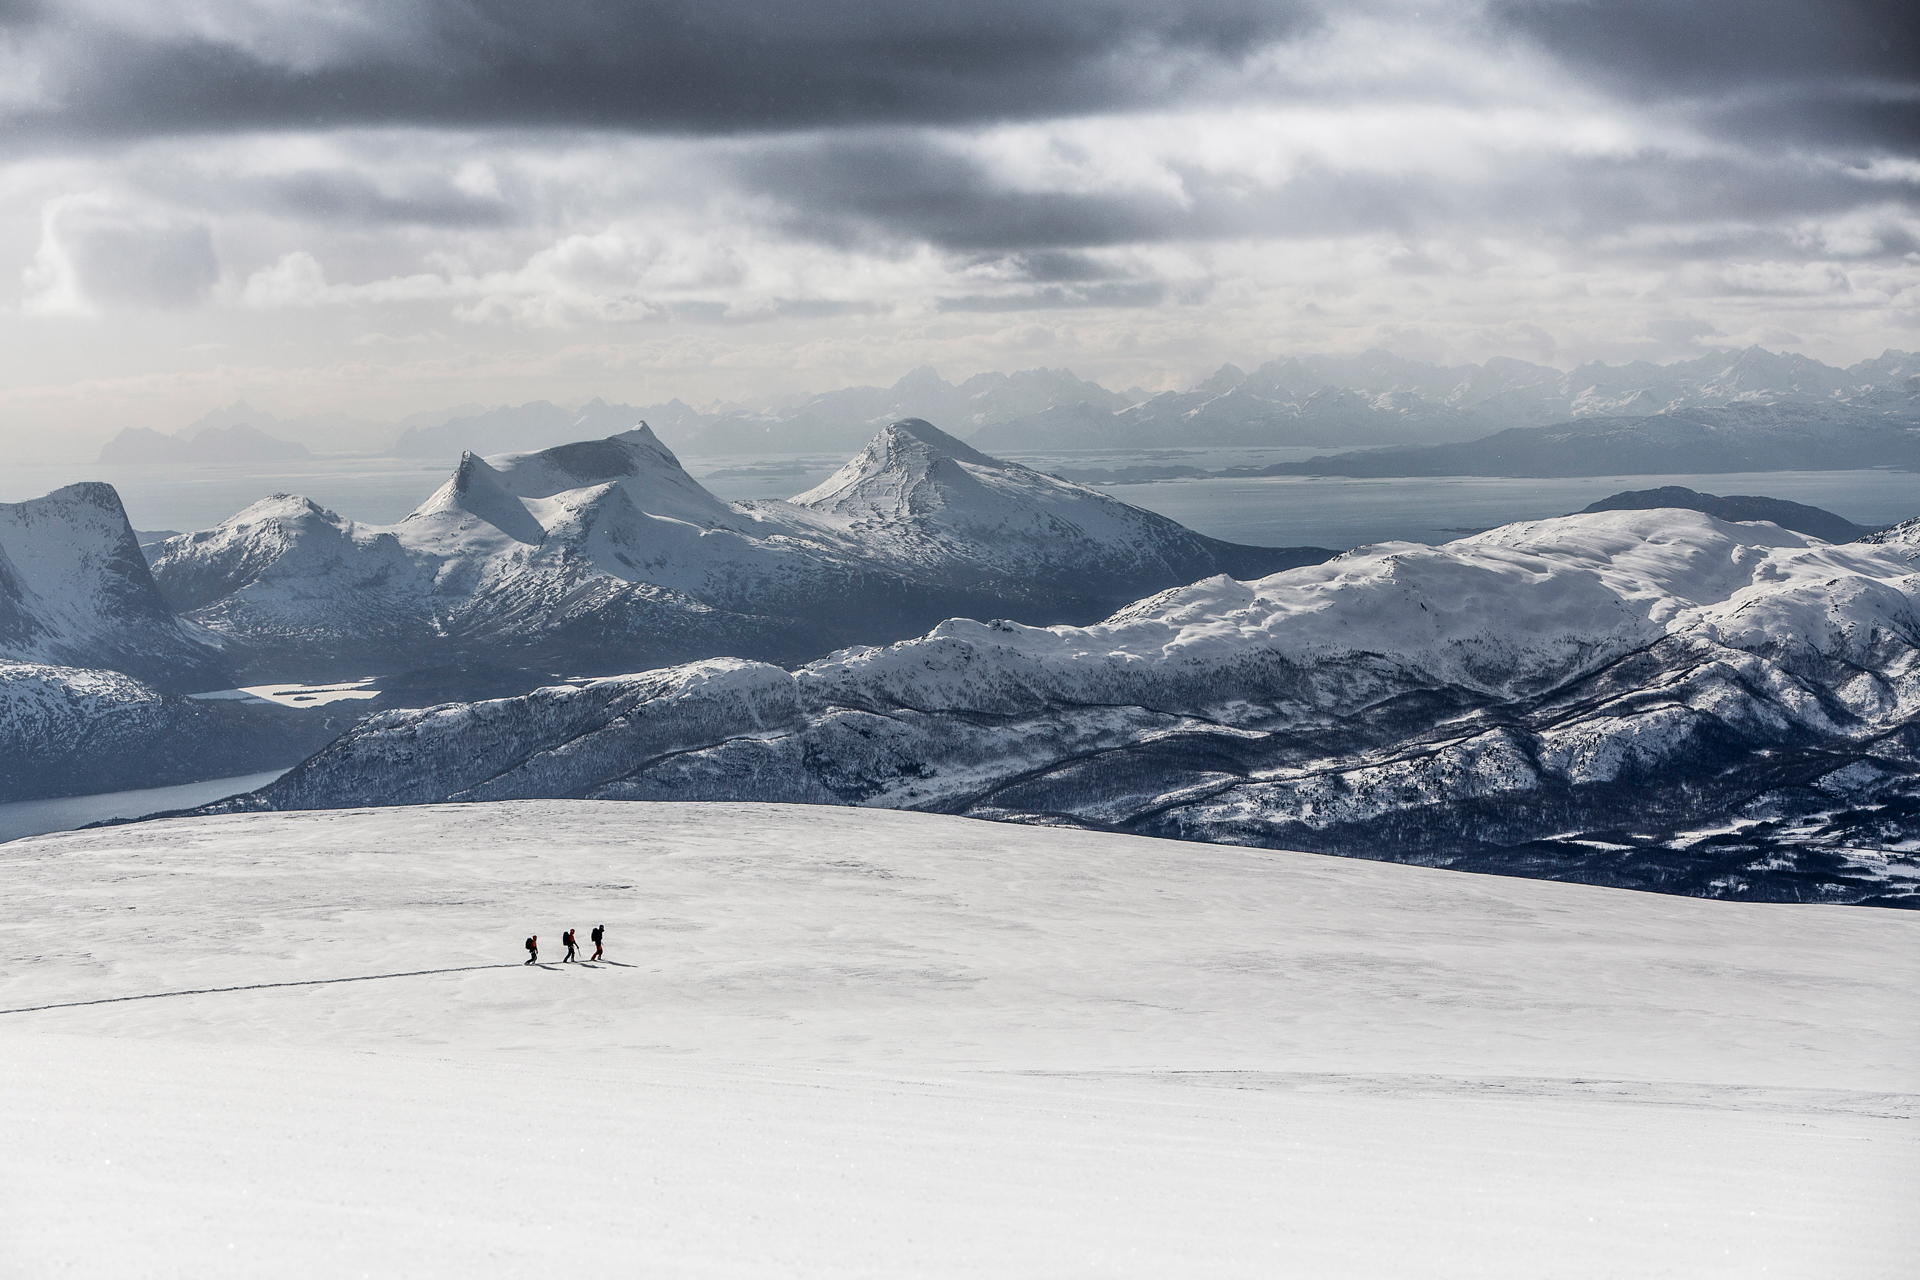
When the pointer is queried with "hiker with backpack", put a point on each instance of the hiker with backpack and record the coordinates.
(573, 950)
(598, 934)
(533, 948)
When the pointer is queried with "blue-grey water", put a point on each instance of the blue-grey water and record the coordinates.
(1271, 511)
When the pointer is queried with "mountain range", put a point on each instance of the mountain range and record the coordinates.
(1653, 699)
(592, 556)
(605, 552)
(237, 443)
(1375, 398)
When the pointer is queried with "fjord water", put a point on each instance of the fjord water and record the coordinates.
(1276, 511)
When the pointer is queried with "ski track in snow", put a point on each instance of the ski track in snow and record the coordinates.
(848, 1042)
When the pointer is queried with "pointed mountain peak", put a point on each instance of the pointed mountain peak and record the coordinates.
(924, 433)
(909, 467)
(475, 491)
(923, 379)
(1224, 379)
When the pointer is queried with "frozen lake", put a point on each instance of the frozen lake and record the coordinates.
(1332, 511)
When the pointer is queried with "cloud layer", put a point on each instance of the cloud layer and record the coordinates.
(727, 198)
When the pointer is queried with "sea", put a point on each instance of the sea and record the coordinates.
(1277, 511)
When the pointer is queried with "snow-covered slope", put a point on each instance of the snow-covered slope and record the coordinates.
(74, 731)
(606, 554)
(932, 502)
(75, 590)
(836, 1043)
(1655, 695)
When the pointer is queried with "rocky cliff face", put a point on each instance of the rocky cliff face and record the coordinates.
(1646, 698)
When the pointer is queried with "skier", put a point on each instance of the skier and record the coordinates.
(573, 951)
(599, 933)
(533, 948)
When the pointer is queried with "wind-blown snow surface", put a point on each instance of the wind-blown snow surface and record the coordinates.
(606, 554)
(1651, 698)
(852, 1043)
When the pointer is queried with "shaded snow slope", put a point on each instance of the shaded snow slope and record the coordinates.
(76, 590)
(835, 1042)
(606, 553)
(75, 731)
(1636, 676)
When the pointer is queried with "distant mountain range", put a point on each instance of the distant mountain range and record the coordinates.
(1837, 436)
(1647, 699)
(1371, 399)
(237, 443)
(1381, 399)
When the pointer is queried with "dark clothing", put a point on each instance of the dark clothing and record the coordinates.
(533, 950)
(599, 932)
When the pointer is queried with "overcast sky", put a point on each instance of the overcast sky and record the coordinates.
(382, 206)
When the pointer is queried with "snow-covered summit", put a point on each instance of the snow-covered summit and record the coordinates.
(646, 469)
(921, 495)
(908, 469)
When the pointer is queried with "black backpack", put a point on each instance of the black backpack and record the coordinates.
(530, 944)
(596, 933)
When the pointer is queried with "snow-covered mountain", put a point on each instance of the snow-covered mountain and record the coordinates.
(75, 590)
(607, 553)
(1647, 698)
(941, 509)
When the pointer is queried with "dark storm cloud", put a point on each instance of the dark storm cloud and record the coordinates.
(1844, 72)
(852, 191)
(655, 65)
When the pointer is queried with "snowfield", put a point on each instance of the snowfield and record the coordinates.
(853, 1042)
